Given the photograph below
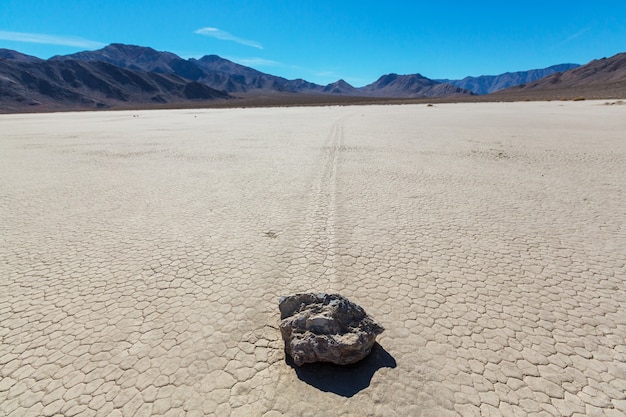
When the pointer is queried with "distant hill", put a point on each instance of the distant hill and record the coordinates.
(486, 84)
(225, 75)
(121, 75)
(411, 86)
(212, 70)
(71, 84)
(342, 88)
(127, 56)
(17, 56)
(601, 78)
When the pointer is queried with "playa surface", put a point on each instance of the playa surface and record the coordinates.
(142, 255)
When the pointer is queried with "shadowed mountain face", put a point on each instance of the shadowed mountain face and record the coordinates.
(226, 75)
(75, 84)
(222, 74)
(343, 88)
(486, 84)
(599, 71)
(127, 56)
(127, 75)
(411, 86)
(216, 72)
(601, 78)
(17, 56)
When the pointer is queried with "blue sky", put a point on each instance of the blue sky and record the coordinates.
(323, 41)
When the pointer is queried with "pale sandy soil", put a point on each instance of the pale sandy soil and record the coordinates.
(141, 259)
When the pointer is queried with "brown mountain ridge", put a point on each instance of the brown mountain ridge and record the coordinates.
(599, 79)
(128, 76)
(68, 85)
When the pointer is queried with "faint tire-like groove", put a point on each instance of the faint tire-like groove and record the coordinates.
(318, 246)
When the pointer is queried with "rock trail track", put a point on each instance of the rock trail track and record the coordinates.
(319, 240)
(142, 255)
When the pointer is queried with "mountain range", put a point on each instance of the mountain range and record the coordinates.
(486, 84)
(211, 70)
(75, 85)
(225, 75)
(121, 75)
(599, 79)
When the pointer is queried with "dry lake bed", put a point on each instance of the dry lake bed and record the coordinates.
(142, 255)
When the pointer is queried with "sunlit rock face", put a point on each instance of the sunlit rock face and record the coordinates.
(326, 328)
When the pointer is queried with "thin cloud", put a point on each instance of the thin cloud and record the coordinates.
(258, 62)
(571, 37)
(225, 36)
(576, 35)
(327, 74)
(49, 39)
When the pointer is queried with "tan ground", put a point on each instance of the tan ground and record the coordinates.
(141, 259)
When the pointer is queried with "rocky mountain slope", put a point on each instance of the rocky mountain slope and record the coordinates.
(216, 72)
(71, 84)
(134, 76)
(599, 71)
(222, 74)
(17, 56)
(341, 87)
(411, 86)
(600, 78)
(486, 84)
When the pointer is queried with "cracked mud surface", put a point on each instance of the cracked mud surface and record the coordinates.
(141, 258)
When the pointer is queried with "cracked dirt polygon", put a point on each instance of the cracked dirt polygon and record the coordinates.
(141, 258)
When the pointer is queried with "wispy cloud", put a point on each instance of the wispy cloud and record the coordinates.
(327, 74)
(576, 35)
(257, 62)
(49, 39)
(570, 38)
(225, 36)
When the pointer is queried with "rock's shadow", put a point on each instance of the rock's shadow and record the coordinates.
(344, 380)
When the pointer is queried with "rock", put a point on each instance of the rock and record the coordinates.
(326, 328)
